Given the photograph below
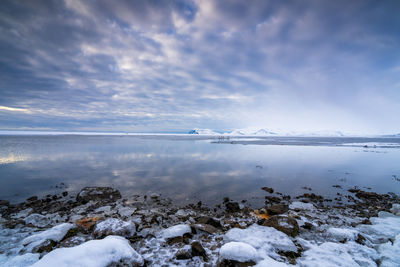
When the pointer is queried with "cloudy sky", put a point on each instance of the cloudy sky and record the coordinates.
(170, 66)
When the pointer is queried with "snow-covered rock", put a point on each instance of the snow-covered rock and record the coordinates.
(175, 231)
(342, 233)
(390, 253)
(56, 234)
(94, 253)
(39, 220)
(114, 226)
(265, 239)
(395, 209)
(270, 262)
(297, 205)
(238, 251)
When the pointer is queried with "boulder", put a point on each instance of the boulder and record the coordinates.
(97, 194)
(282, 223)
(198, 250)
(268, 189)
(114, 226)
(277, 209)
(232, 207)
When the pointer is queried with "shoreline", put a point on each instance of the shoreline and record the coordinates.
(284, 232)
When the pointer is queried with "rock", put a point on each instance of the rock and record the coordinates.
(360, 239)
(210, 221)
(282, 223)
(126, 211)
(368, 195)
(88, 223)
(268, 189)
(205, 228)
(72, 241)
(98, 193)
(183, 255)
(64, 194)
(31, 199)
(154, 196)
(114, 226)
(277, 209)
(232, 207)
(4, 203)
(269, 199)
(198, 250)
(301, 206)
(233, 263)
(42, 221)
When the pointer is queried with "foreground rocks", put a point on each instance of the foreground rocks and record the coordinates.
(153, 232)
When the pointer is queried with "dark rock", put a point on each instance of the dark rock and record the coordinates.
(226, 199)
(369, 195)
(183, 255)
(270, 199)
(354, 190)
(98, 193)
(268, 189)
(307, 226)
(46, 246)
(13, 223)
(198, 250)
(31, 199)
(210, 221)
(4, 203)
(232, 207)
(233, 263)
(282, 223)
(277, 209)
(64, 194)
(360, 239)
(205, 228)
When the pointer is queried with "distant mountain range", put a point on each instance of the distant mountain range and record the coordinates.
(265, 132)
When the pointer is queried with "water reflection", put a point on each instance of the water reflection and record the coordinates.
(186, 170)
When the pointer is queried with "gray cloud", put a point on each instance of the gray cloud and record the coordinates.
(174, 65)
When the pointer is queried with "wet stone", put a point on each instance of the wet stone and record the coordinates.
(233, 263)
(183, 255)
(98, 193)
(232, 207)
(268, 189)
(198, 250)
(282, 223)
(277, 209)
(210, 221)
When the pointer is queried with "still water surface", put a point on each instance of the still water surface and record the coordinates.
(189, 169)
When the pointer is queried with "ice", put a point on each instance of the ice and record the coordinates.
(238, 251)
(42, 221)
(175, 231)
(330, 254)
(297, 205)
(269, 262)
(342, 233)
(390, 253)
(382, 229)
(21, 260)
(265, 239)
(22, 214)
(126, 211)
(109, 251)
(115, 227)
(56, 234)
(395, 209)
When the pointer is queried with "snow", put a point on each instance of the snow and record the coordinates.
(297, 205)
(94, 253)
(203, 132)
(263, 238)
(390, 253)
(175, 231)
(56, 234)
(269, 262)
(342, 233)
(330, 254)
(21, 260)
(238, 251)
(395, 209)
(383, 228)
(115, 227)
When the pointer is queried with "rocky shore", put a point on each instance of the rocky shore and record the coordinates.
(98, 227)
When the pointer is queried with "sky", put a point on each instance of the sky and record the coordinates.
(171, 66)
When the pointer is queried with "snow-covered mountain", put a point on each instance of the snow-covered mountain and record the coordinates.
(203, 132)
(266, 132)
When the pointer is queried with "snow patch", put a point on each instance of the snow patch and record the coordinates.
(238, 251)
(297, 205)
(94, 253)
(175, 231)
